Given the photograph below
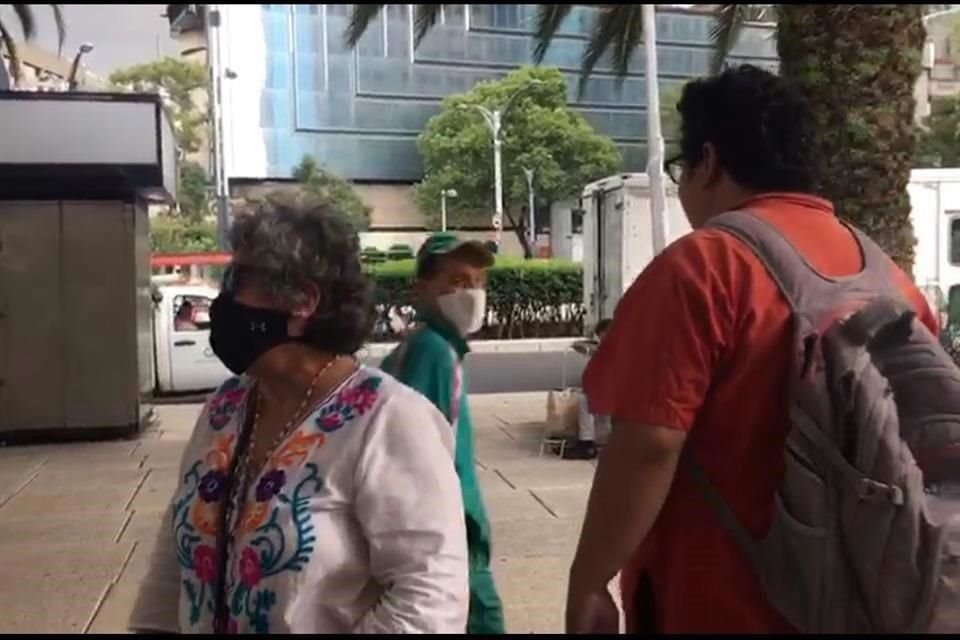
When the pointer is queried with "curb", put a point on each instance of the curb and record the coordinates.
(543, 345)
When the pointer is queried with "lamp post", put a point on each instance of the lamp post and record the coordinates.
(446, 193)
(84, 49)
(658, 193)
(494, 120)
(531, 219)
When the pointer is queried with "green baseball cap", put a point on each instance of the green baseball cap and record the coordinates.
(444, 243)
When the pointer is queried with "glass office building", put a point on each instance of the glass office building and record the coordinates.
(298, 89)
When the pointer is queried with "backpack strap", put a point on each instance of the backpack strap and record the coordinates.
(805, 289)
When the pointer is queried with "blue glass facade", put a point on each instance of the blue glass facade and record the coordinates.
(359, 111)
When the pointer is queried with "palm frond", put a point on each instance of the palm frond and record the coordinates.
(729, 20)
(61, 26)
(619, 27)
(425, 16)
(25, 16)
(11, 47)
(360, 19)
(549, 19)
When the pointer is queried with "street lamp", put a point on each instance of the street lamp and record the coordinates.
(85, 48)
(494, 120)
(531, 220)
(446, 193)
(658, 192)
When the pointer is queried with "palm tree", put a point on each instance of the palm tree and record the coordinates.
(856, 63)
(24, 14)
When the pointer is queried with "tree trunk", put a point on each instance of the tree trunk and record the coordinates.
(858, 65)
(520, 229)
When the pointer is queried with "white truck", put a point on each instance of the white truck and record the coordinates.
(935, 214)
(618, 238)
(183, 360)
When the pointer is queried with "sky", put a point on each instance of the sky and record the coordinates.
(121, 34)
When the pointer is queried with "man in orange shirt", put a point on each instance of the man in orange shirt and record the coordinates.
(698, 357)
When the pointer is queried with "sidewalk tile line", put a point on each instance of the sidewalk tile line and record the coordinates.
(31, 476)
(543, 504)
(123, 526)
(110, 585)
(504, 478)
(136, 445)
(136, 489)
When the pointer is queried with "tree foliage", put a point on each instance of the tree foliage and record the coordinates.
(180, 83)
(938, 141)
(175, 234)
(24, 14)
(540, 131)
(331, 188)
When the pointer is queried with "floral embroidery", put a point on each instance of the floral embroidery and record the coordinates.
(205, 563)
(270, 484)
(212, 485)
(225, 402)
(249, 568)
(274, 531)
(349, 404)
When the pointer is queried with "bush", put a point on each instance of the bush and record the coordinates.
(174, 234)
(525, 298)
(372, 255)
(400, 252)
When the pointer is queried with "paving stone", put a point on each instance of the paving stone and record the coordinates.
(564, 502)
(114, 613)
(514, 505)
(61, 529)
(94, 491)
(548, 472)
(56, 588)
(528, 538)
(142, 525)
(532, 581)
(163, 454)
(156, 491)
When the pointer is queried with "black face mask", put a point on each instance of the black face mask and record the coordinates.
(240, 334)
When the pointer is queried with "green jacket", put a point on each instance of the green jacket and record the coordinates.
(430, 361)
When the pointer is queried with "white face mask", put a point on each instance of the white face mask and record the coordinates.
(465, 308)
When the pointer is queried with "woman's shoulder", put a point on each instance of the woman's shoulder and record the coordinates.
(226, 402)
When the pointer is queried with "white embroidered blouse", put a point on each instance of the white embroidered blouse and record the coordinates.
(354, 525)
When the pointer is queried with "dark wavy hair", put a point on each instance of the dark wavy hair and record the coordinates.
(297, 241)
(760, 124)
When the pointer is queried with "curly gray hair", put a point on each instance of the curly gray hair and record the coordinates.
(299, 242)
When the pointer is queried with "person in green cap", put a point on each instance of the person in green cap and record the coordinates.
(451, 303)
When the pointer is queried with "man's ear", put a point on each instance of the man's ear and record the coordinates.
(710, 164)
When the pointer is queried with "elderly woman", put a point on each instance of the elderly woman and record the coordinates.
(316, 495)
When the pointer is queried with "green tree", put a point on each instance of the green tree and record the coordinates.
(938, 141)
(24, 15)
(333, 189)
(174, 234)
(194, 192)
(856, 63)
(181, 83)
(184, 88)
(540, 132)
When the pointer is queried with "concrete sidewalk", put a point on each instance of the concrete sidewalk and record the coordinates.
(77, 521)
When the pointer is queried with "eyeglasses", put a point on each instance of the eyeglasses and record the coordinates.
(674, 168)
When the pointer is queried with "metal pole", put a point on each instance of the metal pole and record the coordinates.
(443, 210)
(497, 176)
(658, 194)
(531, 219)
(219, 162)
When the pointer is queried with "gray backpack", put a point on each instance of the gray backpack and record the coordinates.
(857, 544)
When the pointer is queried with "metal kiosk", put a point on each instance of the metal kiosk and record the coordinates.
(77, 172)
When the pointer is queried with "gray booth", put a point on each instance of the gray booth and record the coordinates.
(77, 172)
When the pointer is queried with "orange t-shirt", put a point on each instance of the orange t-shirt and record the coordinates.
(701, 342)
